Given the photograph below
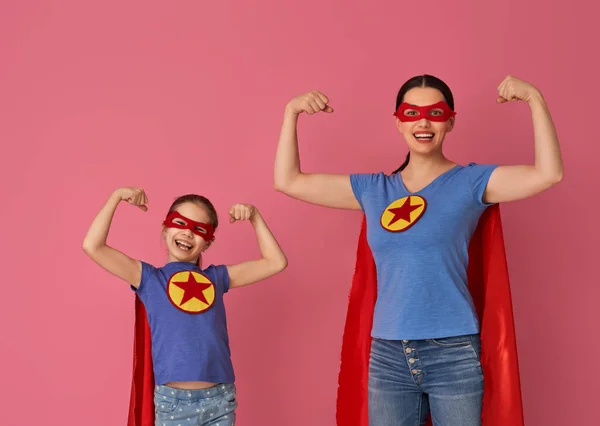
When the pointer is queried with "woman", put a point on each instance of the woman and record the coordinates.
(425, 349)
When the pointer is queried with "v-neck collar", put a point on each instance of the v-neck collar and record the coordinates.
(429, 184)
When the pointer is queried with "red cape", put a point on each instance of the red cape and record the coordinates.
(490, 289)
(141, 404)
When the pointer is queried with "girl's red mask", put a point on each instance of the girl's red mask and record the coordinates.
(440, 111)
(176, 220)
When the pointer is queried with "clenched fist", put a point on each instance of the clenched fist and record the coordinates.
(512, 89)
(241, 212)
(134, 196)
(310, 103)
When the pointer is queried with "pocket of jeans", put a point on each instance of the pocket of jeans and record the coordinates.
(230, 397)
(165, 405)
(452, 341)
(476, 345)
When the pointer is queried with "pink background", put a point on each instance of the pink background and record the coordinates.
(188, 96)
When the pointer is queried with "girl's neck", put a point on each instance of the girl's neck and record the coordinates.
(172, 259)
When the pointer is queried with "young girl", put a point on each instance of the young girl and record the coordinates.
(184, 303)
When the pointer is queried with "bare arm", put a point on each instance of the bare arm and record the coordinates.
(94, 243)
(509, 183)
(329, 190)
(272, 259)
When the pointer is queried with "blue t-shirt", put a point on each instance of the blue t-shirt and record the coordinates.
(186, 314)
(420, 246)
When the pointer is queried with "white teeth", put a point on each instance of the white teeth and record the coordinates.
(183, 245)
(423, 135)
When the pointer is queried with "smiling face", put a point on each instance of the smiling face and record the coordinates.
(183, 244)
(422, 130)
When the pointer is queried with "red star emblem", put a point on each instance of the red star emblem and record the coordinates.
(193, 288)
(403, 212)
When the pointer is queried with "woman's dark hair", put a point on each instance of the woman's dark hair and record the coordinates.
(423, 81)
(201, 201)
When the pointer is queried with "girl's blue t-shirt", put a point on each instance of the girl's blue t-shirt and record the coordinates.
(187, 320)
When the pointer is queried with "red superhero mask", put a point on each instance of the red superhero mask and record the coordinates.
(205, 230)
(437, 112)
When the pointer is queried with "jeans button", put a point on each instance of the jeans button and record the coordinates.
(412, 360)
(408, 350)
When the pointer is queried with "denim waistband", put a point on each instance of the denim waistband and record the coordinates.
(190, 394)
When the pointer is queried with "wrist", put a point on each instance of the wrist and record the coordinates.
(255, 217)
(290, 112)
(116, 196)
(535, 97)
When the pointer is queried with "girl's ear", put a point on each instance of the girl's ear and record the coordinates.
(208, 244)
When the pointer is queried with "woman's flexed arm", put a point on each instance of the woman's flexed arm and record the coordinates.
(329, 190)
(509, 183)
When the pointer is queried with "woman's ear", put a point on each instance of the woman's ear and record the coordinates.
(398, 124)
(451, 122)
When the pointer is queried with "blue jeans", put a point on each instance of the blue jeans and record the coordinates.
(408, 379)
(213, 406)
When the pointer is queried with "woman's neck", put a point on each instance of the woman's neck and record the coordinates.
(424, 166)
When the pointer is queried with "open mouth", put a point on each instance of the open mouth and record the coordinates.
(183, 245)
(423, 136)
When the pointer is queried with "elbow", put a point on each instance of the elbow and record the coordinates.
(89, 247)
(554, 178)
(280, 264)
(279, 187)
(272, 265)
(559, 176)
(548, 178)
(282, 185)
(285, 182)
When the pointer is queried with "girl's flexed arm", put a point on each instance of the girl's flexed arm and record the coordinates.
(94, 243)
(272, 259)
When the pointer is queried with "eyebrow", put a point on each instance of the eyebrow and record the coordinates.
(418, 106)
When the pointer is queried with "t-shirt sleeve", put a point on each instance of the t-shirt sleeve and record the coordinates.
(147, 271)
(222, 276)
(479, 176)
(360, 182)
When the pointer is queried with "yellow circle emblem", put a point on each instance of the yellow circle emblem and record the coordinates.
(191, 291)
(403, 213)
